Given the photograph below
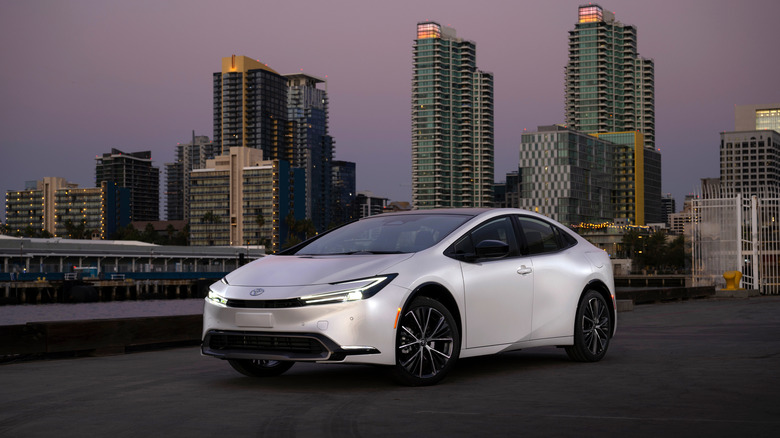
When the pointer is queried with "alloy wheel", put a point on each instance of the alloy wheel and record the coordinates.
(425, 343)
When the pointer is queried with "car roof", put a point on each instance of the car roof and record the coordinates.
(473, 212)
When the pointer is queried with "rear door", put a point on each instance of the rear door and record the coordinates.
(558, 275)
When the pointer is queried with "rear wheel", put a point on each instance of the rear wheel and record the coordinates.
(427, 343)
(592, 329)
(259, 367)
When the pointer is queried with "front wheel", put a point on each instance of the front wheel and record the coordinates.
(592, 329)
(260, 368)
(427, 343)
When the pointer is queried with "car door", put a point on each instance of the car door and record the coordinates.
(498, 292)
(558, 275)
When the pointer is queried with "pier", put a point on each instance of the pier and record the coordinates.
(38, 271)
(94, 290)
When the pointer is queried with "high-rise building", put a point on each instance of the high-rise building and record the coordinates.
(135, 172)
(757, 117)
(240, 199)
(609, 87)
(344, 192)
(566, 175)
(189, 156)
(668, 208)
(636, 177)
(307, 107)
(452, 122)
(750, 162)
(250, 109)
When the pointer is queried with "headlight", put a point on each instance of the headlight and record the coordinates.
(352, 290)
(216, 298)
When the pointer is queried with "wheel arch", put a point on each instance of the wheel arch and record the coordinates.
(601, 288)
(436, 291)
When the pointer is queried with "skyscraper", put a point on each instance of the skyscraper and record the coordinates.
(307, 109)
(609, 87)
(250, 109)
(344, 191)
(135, 172)
(189, 156)
(636, 176)
(452, 122)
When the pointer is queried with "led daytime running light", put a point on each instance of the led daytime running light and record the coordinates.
(369, 288)
(216, 298)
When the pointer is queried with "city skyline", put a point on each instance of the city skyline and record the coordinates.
(84, 77)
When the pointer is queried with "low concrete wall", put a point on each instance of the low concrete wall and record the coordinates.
(100, 336)
(116, 336)
(655, 295)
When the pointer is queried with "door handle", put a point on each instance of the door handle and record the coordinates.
(524, 270)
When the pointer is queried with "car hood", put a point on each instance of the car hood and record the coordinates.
(293, 270)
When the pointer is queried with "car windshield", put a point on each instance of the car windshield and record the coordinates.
(386, 234)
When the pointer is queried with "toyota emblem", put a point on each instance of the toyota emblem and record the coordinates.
(256, 292)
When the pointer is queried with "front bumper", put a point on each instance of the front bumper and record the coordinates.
(277, 346)
(359, 331)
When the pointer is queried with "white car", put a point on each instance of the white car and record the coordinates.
(415, 291)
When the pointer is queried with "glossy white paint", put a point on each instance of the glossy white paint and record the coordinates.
(504, 304)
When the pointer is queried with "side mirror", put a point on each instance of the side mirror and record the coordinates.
(492, 249)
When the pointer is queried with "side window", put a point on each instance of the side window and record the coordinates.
(496, 229)
(500, 229)
(540, 237)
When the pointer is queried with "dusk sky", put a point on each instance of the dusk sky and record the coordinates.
(81, 77)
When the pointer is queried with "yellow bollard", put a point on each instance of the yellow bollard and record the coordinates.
(732, 280)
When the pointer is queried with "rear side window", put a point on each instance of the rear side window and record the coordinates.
(542, 237)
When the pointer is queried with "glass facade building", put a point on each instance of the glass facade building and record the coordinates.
(250, 109)
(307, 108)
(566, 175)
(609, 87)
(135, 172)
(452, 122)
(344, 191)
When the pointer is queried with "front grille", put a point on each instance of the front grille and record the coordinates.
(266, 343)
(265, 304)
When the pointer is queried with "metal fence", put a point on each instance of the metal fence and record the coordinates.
(737, 233)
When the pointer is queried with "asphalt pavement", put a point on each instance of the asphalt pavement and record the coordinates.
(694, 368)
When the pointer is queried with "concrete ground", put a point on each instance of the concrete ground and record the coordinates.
(695, 368)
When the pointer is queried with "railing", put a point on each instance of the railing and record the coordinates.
(736, 233)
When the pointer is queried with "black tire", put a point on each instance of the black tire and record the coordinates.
(260, 368)
(592, 329)
(427, 343)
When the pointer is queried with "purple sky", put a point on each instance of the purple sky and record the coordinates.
(81, 77)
